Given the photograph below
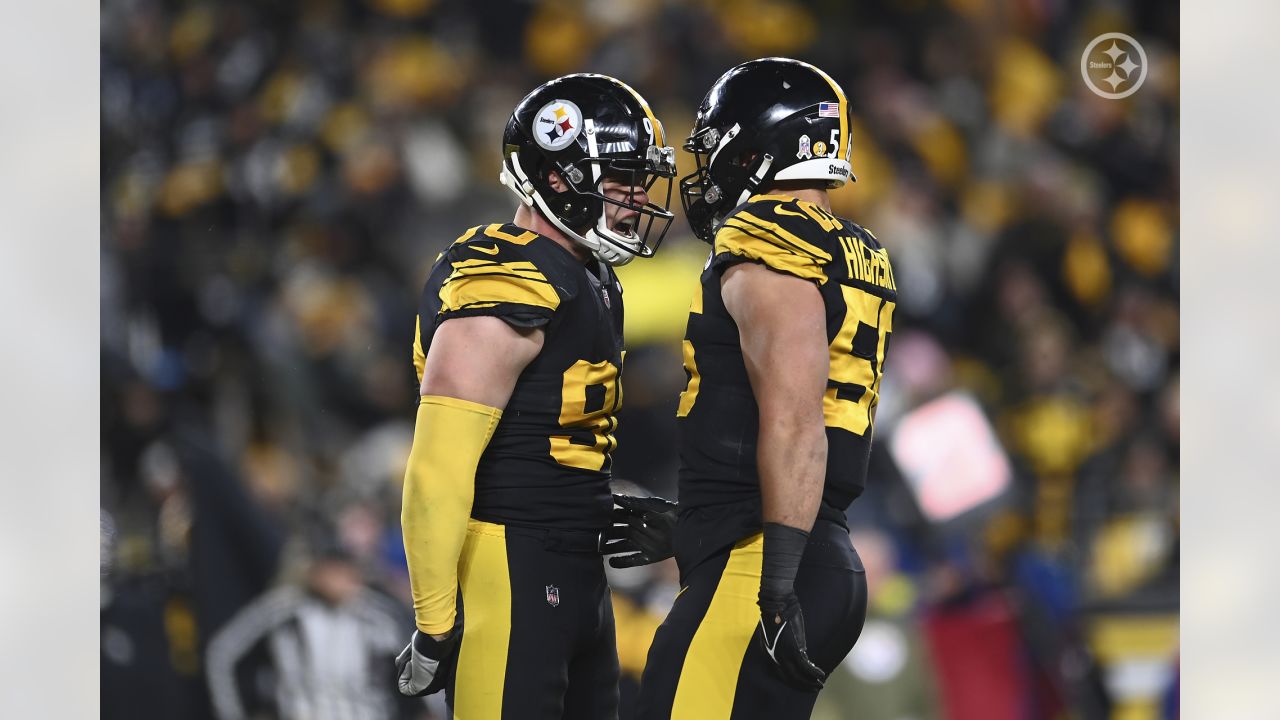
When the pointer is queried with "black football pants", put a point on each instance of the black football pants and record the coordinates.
(705, 662)
(538, 636)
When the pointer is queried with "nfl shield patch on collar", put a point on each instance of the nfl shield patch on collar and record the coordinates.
(553, 595)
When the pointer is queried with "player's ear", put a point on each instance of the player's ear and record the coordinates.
(556, 182)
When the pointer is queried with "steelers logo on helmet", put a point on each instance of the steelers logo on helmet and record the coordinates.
(557, 124)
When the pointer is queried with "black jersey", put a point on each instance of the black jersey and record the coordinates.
(547, 464)
(718, 419)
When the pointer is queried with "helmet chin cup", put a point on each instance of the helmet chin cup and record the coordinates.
(605, 251)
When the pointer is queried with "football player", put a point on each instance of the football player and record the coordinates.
(785, 347)
(519, 352)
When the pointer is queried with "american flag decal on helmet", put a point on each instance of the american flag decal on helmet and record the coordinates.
(828, 109)
(553, 595)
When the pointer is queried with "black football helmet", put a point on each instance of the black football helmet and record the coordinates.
(767, 120)
(587, 128)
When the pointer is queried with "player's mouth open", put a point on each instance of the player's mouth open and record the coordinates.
(626, 225)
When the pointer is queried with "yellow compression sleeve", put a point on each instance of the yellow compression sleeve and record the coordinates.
(439, 487)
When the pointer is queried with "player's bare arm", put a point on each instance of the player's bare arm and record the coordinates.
(782, 327)
(478, 359)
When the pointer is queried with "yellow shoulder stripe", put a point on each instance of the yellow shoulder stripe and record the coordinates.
(485, 283)
(787, 238)
(764, 245)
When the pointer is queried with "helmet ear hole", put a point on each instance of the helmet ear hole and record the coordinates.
(575, 210)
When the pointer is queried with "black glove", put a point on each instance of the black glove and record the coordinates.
(781, 629)
(425, 664)
(642, 526)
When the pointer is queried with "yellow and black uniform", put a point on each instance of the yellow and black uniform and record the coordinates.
(718, 542)
(538, 633)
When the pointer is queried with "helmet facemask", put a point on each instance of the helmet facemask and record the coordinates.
(626, 226)
(706, 195)
(701, 198)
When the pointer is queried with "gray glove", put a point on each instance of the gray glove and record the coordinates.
(425, 665)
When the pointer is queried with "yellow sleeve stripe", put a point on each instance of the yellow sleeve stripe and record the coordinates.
(746, 235)
(496, 232)
(788, 239)
(752, 244)
(484, 283)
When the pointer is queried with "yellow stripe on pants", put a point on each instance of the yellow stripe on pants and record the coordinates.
(486, 632)
(710, 672)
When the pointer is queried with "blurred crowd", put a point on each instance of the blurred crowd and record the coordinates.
(278, 175)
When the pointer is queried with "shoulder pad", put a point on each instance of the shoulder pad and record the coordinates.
(781, 232)
(493, 271)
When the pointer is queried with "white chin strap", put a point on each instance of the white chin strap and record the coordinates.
(753, 183)
(516, 181)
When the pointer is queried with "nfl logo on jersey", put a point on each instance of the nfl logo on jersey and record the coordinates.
(553, 595)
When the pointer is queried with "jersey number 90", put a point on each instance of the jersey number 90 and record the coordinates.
(590, 398)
